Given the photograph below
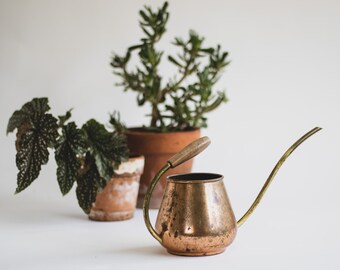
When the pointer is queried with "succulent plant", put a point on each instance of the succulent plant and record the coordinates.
(183, 102)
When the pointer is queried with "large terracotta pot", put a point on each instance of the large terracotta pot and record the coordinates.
(117, 201)
(157, 148)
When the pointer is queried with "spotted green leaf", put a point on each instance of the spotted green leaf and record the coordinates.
(100, 146)
(69, 146)
(89, 183)
(120, 149)
(35, 106)
(33, 148)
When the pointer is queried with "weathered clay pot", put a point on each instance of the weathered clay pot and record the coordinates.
(117, 201)
(157, 148)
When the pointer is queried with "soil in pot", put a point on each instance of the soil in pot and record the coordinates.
(117, 201)
(157, 148)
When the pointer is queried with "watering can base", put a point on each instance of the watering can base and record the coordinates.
(190, 253)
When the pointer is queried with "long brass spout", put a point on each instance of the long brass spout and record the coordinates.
(273, 173)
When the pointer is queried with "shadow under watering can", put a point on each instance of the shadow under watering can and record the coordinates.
(195, 217)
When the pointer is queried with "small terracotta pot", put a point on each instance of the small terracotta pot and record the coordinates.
(157, 148)
(117, 201)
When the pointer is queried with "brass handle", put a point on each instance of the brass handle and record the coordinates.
(189, 151)
(185, 154)
(147, 202)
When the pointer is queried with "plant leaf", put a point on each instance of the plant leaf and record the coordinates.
(120, 149)
(69, 146)
(17, 118)
(64, 118)
(116, 123)
(173, 60)
(35, 106)
(33, 148)
(100, 146)
(218, 100)
(88, 185)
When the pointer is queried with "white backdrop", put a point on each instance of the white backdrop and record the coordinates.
(282, 82)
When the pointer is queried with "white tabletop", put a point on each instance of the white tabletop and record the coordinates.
(38, 231)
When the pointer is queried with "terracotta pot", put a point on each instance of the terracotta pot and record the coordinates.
(157, 148)
(117, 201)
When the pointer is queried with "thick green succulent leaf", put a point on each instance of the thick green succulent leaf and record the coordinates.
(100, 146)
(33, 148)
(35, 106)
(88, 184)
(70, 145)
(216, 102)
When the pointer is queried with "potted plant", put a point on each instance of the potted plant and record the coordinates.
(91, 156)
(178, 106)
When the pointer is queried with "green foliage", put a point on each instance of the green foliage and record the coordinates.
(86, 156)
(36, 106)
(69, 146)
(100, 147)
(116, 123)
(89, 183)
(64, 118)
(177, 104)
(37, 131)
(120, 150)
(33, 148)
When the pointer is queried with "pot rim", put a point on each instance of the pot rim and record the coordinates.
(141, 130)
(134, 157)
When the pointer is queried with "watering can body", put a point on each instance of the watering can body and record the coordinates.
(195, 217)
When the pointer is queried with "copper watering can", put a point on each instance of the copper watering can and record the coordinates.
(195, 217)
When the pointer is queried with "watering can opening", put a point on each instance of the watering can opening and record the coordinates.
(195, 177)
